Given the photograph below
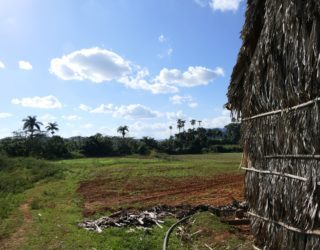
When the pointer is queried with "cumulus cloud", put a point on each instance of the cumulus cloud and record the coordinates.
(201, 3)
(101, 65)
(140, 82)
(225, 5)
(173, 116)
(104, 109)
(132, 111)
(169, 80)
(46, 102)
(194, 76)
(178, 99)
(5, 115)
(135, 111)
(25, 65)
(2, 66)
(71, 117)
(193, 104)
(218, 122)
(188, 99)
(84, 107)
(94, 64)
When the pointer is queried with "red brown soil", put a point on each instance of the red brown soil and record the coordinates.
(109, 193)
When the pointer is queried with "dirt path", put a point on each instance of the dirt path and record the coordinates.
(18, 237)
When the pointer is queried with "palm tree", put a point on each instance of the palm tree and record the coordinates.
(31, 125)
(183, 122)
(199, 123)
(123, 130)
(179, 124)
(193, 122)
(52, 127)
(170, 127)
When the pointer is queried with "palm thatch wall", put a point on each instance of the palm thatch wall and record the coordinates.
(274, 90)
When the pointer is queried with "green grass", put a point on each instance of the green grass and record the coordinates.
(16, 176)
(213, 233)
(57, 208)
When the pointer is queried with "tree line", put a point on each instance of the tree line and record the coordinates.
(32, 141)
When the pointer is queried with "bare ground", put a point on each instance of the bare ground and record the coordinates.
(110, 193)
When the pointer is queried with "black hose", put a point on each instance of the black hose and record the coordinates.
(166, 238)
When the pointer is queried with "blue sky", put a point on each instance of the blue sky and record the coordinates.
(93, 65)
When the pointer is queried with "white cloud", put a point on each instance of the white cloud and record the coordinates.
(162, 38)
(5, 115)
(71, 117)
(169, 80)
(47, 118)
(173, 116)
(161, 88)
(135, 111)
(219, 121)
(25, 65)
(156, 130)
(225, 5)
(140, 82)
(104, 109)
(46, 102)
(84, 107)
(132, 111)
(94, 64)
(194, 76)
(101, 65)
(193, 104)
(178, 99)
(2, 66)
(201, 3)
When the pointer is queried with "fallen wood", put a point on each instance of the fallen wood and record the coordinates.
(154, 217)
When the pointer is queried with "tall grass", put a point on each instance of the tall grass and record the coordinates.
(20, 174)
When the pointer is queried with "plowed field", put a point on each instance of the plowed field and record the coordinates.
(111, 193)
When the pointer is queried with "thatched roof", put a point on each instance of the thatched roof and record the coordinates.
(279, 64)
(275, 89)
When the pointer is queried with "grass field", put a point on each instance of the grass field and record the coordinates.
(50, 210)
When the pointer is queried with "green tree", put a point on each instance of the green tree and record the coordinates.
(183, 122)
(31, 125)
(56, 148)
(52, 127)
(180, 124)
(123, 130)
(97, 146)
(199, 123)
(193, 122)
(233, 133)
